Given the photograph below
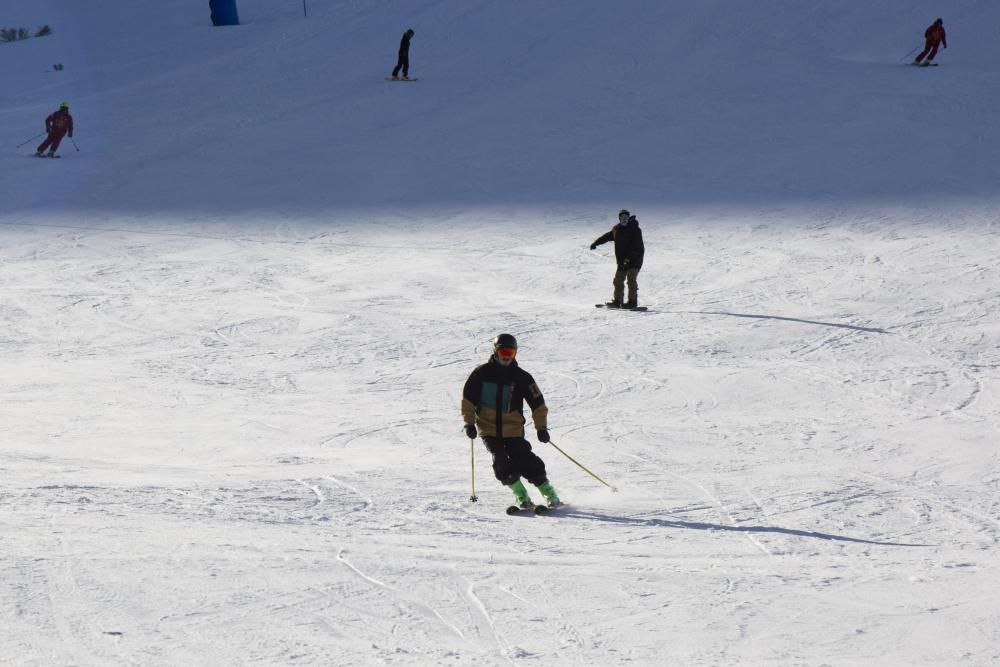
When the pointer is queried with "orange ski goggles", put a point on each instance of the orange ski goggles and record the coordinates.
(506, 352)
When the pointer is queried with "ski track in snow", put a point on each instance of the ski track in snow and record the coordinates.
(424, 608)
(502, 644)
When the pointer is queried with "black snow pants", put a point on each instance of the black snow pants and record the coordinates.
(513, 459)
(403, 63)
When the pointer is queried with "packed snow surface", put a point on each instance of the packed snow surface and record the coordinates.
(238, 314)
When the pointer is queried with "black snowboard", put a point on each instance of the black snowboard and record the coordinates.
(638, 309)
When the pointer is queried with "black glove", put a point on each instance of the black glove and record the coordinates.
(543, 435)
(626, 262)
(593, 246)
(470, 430)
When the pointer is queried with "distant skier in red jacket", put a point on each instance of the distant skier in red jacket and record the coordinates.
(58, 124)
(935, 37)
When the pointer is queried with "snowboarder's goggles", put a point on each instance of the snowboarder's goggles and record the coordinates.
(506, 352)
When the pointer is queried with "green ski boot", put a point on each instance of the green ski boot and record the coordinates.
(521, 497)
(550, 494)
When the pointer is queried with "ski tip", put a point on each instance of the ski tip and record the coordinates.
(550, 509)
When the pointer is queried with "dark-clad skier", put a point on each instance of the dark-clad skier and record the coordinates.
(935, 37)
(58, 124)
(629, 252)
(403, 62)
(493, 402)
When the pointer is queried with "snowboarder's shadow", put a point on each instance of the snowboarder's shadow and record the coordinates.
(697, 525)
(852, 327)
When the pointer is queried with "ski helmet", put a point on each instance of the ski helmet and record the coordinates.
(505, 349)
(64, 105)
(939, 22)
(504, 340)
(409, 31)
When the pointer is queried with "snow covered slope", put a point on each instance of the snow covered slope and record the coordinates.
(235, 325)
(520, 102)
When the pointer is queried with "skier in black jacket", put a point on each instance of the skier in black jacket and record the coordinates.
(403, 62)
(493, 400)
(629, 251)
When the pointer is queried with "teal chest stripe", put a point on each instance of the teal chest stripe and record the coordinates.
(488, 396)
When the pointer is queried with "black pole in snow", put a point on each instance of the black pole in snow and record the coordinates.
(31, 139)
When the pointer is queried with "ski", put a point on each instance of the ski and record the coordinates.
(514, 510)
(51, 157)
(550, 510)
(400, 80)
(638, 309)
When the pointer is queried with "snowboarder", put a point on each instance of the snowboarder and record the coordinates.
(629, 251)
(403, 62)
(493, 407)
(58, 124)
(935, 37)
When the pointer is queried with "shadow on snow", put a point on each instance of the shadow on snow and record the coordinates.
(697, 525)
(789, 319)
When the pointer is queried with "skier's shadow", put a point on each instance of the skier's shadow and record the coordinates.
(852, 327)
(697, 525)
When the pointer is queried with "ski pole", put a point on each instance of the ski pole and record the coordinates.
(613, 489)
(30, 140)
(74, 144)
(911, 51)
(472, 457)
